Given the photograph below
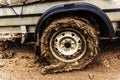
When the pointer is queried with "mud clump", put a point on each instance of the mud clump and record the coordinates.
(8, 54)
(5, 53)
(1, 64)
(15, 2)
(20, 2)
(1, 56)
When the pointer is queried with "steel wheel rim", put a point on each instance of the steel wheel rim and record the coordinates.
(68, 45)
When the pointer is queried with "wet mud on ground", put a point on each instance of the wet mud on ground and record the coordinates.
(18, 64)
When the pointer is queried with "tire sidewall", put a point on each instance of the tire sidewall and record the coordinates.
(75, 23)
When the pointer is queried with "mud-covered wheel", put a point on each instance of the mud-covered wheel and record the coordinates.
(68, 43)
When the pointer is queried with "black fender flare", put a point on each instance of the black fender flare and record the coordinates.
(85, 7)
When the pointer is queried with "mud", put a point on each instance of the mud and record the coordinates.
(21, 66)
(20, 2)
(75, 23)
(16, 2)
(9, 37)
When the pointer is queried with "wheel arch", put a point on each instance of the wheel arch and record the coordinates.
(103, 21)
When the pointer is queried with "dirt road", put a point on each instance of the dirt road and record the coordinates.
(20, 65)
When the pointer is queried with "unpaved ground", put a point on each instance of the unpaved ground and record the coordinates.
(20, 65)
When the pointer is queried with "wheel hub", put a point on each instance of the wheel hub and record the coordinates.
(67, 45)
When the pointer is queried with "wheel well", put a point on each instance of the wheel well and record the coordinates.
(94, 19)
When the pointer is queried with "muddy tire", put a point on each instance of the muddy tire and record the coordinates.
(67, 44)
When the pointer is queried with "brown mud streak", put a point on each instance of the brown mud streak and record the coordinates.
(58, 66)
